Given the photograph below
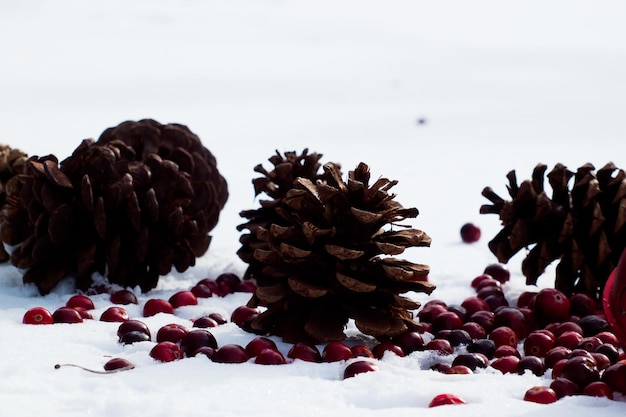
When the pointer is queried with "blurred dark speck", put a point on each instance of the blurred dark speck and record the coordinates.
(421, 121)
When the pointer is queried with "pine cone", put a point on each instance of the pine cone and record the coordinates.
(323, 257)
(140, 200)
(11, 164)
(582, 227)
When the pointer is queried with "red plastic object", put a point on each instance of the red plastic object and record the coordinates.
(614, 299)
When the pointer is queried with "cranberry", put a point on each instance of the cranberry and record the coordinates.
(304, 352)
(503, 335)
(124, 297)
(589, 343)
(506, 364)
(336, 351)
(157, 305)
(475, 330)
(201, 291)
(593, 324)
(538, 343)
(484, 318)
(205, 322)
(458, 337)
(441, 346)
(476, 282)
(485, 346)
(525, 299)
(447, 320)
(531, 363)
(166, 352)
(183, 298)
(409, 342)
(118, 364)
(445, 399)
(37, 315)
(514, 318)
(569, 339)
(498, 271)
(269, 357)
(80, 300)
(246, 286)
(459, 369)
(473, 304)
(541, 395)
(581, 370)
(470, 233)
(556, 354)
(582, 305)
(196, 338)
(383, 347)
(132, 326)
(256, 345)
(359, 367)
(615, 377)
(134, 336)
(551, 305)
(598, 389)
(470, 360)
(609, 350)
(230, 353)
(242, 316)
(564, 387)
(568, 326)
(361, 351)
(228, 279)
(172, 332)
(66, 315)
(506, 350)
(85, 314)
(114, 314)
(218, 318)
(608, 337)
(602, 361)
(429, 312)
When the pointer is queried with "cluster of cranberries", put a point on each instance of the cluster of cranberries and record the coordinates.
(545, 331)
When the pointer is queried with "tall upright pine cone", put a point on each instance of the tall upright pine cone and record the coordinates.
(140, 200)
(11, 164)
(583, 227)
(325, 256)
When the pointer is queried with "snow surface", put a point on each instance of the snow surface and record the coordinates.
(500, 86)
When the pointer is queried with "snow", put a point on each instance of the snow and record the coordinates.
(500, 86)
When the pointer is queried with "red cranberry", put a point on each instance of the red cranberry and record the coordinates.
(361, 351)
(514, 318)
(615, 377)
(532, 364)
(485, 346)
(538, 343)
(525, 298)
(85, 314)
(116, 364)
(114, 315)
(166, 352)
(593, 324)
(429, 312)
(441, 346)
(503, 335)
(228, 279)
(230, 353)
(609, 351)
(608, 337)
(134, 336)
(475, 330)
(246, 286)
(564, 387)
(498, 271)
(196, 338)
(471, 360)
(359, 367)
(506, 350)
(269, 357)
(459, 369)
(445, 399)
(551, 305)
(256, 345)
(476, 282)
(458, 337)
(473, 304)
(580, 370)
(37, 315)
(598, 389)
(602, 361)
(568, 326)
(447, 321)
(218, 318)
(541, 395)
(183, 298)
(409, 342)
(470, 233)
(80, 300)
(383, 347)
(157, 305)
(123, 297)
(132, 326)
(336, 351)
(201, 291)
(304, 352)
(485, 319)
(242, 316)
(569, 339)
(66, 315)
(172, 332)
(589, 343)
(556, 354)
(205, 322)
(582, 305)
(506, 364)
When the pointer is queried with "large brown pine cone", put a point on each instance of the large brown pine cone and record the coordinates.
(327, 258)
(140, 200)
(583, 227)
(11, 164)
